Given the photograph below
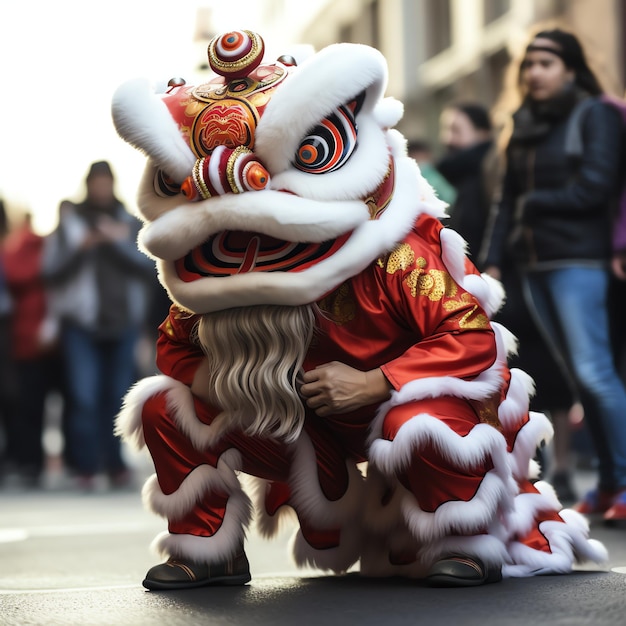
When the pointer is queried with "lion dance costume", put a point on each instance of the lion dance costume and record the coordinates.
(293, 234)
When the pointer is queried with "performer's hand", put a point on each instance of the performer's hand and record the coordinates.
(335, 388)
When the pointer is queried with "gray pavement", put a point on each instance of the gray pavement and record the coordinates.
(69, 558)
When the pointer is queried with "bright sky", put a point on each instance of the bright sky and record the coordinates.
(61, 61)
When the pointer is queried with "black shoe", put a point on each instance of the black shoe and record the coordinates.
(186, 574)
(459, 571)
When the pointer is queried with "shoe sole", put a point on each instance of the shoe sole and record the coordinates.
(444, 580)
(218, 581)
(448, 581)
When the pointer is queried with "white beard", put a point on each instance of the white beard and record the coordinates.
(255, 356)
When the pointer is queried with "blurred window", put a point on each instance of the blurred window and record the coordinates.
(439, 26)
(364, 29)
(493, 9)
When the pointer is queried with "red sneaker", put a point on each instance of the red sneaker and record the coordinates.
(617, 511)
(595, 501)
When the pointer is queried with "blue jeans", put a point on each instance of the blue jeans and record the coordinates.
(570, 308)
(99, 373)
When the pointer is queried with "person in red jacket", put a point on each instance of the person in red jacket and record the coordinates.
(21, 257)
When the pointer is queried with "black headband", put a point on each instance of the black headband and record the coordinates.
(555, 51)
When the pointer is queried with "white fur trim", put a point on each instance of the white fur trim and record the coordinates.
(494, 494)
(203, 479)
(515, 406)
(507, 339)
(530, 436)
(369, 240)
(179, 401)
(337, 560)
(453, 253)
(568, 544)
(180, 404)
(526, 508)
(302, 101)
(483, 386)
(482, 442)
(358, 177)
(151, 205)
(220, 546)
(307, 496)
(496, 297)
(490, 549)
(534, 470)
(128, 421)
(143, 120)
(274, 213)
(488, 292)
(267, 525)
(388, 112)
(459, 517)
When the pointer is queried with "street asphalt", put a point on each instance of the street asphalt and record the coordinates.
(69, 558)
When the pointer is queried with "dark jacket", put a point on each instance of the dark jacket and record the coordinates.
(464, 170)
(554, 206)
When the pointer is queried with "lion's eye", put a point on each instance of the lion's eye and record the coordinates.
(330, 144)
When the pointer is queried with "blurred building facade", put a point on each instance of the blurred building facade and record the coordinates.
(441, 50)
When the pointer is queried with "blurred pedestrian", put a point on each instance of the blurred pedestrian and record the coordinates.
(93, 257)
(554, 394)
(7, 383)
(470, 165)
(555, 216)
(60, 299)
(421, 150)
(617, 299)
(21, 256)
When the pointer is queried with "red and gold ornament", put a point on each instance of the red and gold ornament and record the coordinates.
(226, 170)
(235, 54)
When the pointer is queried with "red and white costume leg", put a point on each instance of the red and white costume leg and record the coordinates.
(196, 486)
(461, 487)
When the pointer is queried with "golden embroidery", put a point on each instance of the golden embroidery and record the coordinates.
(436, 285)
(411, 281)
(471, 319)
(488, 416)
(487, 410)
(401, 258)
(339, 305)
(178, 313)
(169, 331)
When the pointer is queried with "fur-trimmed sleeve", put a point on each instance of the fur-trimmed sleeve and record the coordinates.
(453, 334)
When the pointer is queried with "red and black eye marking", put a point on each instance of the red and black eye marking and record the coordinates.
(330, 144)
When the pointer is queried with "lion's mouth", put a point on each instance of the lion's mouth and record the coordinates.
(239, 252)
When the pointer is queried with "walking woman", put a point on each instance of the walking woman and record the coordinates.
(554, 216)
